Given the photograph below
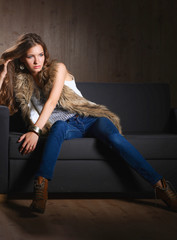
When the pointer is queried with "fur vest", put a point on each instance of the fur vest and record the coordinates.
(69, 100)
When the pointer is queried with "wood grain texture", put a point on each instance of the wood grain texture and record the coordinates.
(101, 40)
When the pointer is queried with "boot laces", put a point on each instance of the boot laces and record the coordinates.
(170, 190)
(39, 191)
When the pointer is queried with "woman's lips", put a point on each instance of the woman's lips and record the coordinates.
(36, 67)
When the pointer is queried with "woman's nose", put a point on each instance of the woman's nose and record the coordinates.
(36, 60)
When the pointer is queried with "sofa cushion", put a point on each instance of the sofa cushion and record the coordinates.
(155, 146)
(151, 146)
(79, 148)
(142, 107)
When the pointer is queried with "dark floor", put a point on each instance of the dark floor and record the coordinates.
(90, 219)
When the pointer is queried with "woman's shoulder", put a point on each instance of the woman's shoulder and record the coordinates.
(56, 64)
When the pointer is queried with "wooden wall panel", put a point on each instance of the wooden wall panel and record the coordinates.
(101, 40)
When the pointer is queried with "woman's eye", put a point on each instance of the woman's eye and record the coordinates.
(29, 56)
(41, 54)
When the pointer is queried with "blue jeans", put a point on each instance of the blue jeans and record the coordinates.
(100, 128)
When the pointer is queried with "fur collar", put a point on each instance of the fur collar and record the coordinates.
(69, 100)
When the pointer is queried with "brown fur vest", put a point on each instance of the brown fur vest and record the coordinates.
(69, 100)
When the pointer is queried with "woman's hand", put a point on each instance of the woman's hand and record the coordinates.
(4, 72)
(29, 143)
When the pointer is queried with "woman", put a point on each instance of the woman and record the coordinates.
(50, 102)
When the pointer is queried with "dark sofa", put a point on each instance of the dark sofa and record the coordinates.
(86, 166)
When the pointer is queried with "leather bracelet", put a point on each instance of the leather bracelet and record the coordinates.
(35, 129)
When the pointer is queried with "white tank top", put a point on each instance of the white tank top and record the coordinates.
(72, 84)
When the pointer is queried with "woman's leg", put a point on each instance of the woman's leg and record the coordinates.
(104, 130)
(59, 132)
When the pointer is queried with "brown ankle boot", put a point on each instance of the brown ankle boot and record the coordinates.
(40, 195)
(167, 194)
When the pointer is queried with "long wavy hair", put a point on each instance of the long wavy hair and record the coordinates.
(15, 53)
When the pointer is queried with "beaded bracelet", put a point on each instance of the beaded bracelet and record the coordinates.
(35, 129)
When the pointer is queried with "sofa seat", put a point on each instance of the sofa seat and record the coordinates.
(87, 166)
(151, 146)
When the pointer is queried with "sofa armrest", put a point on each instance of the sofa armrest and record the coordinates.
(4, 138)
(173, 120)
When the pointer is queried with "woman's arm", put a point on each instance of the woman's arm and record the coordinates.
(31, 138)
(53, 97)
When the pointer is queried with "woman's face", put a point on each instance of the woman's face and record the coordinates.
(34, 59)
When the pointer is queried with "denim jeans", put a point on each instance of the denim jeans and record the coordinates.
(100, 128)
